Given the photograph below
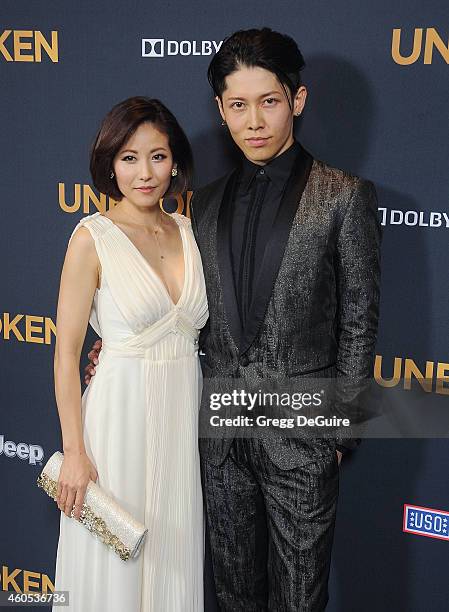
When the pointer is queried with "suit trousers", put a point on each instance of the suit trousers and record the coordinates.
(271, 530)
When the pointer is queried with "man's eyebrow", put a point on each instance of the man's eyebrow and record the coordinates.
(269, 93)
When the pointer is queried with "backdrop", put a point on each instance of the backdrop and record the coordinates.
(377, 74)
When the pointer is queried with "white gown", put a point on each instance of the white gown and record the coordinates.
(140, 423)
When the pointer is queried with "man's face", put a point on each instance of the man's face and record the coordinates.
(256, 110)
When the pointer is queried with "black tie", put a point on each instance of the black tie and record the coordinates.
(248, 265)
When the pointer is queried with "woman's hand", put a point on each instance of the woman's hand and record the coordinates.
(76, 471)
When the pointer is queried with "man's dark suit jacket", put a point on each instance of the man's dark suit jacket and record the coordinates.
(315, 306)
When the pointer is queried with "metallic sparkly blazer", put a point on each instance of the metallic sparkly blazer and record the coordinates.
(316, 303)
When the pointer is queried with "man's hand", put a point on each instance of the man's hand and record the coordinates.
(89, 370)
(339, 453)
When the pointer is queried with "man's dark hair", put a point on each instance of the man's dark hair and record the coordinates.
(120, 124)
(263, 48)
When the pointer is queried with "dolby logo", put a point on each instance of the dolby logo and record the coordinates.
(159, 47)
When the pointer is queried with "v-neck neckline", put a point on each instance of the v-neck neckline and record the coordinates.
(150, 267)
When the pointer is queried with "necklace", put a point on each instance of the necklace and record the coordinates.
(157, 227)
(155, 231)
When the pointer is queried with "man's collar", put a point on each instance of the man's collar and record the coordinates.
(278, 169)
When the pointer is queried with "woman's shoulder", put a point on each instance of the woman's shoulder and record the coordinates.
(82, 240)
(91, 226)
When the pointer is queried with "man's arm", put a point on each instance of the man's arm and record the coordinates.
(358, 288)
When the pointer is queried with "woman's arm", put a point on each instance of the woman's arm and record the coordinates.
(79, 279)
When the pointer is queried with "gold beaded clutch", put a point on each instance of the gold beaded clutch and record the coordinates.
(100, 514)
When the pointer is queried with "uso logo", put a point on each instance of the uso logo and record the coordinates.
(426, 522)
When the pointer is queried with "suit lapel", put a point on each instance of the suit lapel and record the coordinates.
(224, 256)
(275, 248)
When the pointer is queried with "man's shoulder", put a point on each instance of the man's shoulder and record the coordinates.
(336, 179)
(337, 176)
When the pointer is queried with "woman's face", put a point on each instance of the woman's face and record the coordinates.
(143, 166)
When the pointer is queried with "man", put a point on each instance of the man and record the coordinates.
(290, 249)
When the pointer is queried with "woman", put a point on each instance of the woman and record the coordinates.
(135, 273)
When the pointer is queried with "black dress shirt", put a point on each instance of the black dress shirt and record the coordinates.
(256, 202)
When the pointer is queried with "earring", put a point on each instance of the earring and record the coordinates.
(297, 114)
(174, 171)
(111, 176)
(223, 122)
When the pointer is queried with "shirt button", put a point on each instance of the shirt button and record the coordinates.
(262, 171)
(244, 361)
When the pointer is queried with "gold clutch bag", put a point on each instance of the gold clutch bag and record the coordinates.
(100, 514)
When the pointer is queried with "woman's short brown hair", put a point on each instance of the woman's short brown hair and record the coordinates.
(120, 124)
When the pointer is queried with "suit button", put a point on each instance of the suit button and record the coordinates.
(244, 361)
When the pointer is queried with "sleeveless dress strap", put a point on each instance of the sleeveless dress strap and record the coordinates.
(181, 220)
(96, 224)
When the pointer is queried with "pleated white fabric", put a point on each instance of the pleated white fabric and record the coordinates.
(140, 423)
